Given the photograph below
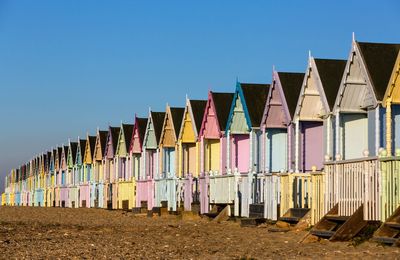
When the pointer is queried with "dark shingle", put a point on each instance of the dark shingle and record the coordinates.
(74, 148)
(92, 145)
(158, 120)
(291, 83)
(141, 124)
(177, 116)
(103, 141)
(114, 135)
(330, 72)
(82, 146)
(255, 97)
(222, 103)
(198, 109)
(379, 59)
(128, 129)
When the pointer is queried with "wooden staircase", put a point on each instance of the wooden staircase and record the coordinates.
(256, 216)
(294, 215)
(339, 228)
(389, 232)
(296, 218)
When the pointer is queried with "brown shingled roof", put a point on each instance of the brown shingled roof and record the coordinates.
(198, 109)
(222, 103)
(291, 83)
(255, 97)
(379, 59)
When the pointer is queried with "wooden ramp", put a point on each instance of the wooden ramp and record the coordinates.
(297, 218)
(389, 232)
(339, 228)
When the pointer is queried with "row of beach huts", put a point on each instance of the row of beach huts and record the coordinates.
(320, 147)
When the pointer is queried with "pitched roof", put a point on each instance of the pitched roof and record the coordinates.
(141, 125)
(222, 103)
(330, 72)
(255, 96)
(92, 144)
(59, 152)
(379, 59)
(103, 140)
(198, 109)
(128, 129)
(74, 148)
(158, 120)
(291, 83)
(177, 116)
(82, 145)
(114, 135)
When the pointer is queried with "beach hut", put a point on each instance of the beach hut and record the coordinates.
(98, 168)
(313, 137)
(353, 179)
(63, 182)
(57, 179)
(111, 178)
(277, 139)
(126, 184)
(150, 157)
(389, 232)
(166, 183)
(80, 173)
(189, 156)
(49, 172)
(213, 144)
(71, 177)
(89, 178)
(38, 199)
(137, 171)
(243, 145)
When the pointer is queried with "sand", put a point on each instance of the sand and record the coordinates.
(95, 233)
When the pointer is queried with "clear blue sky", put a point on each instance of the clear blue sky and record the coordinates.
(67, 67)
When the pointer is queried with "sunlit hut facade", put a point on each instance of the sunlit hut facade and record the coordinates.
(126, 184)
(137, 156)
(243, 146)
(110, 176)
(99, 169)
(166, 183)
(137, 167)
(277, 138)
(71, 176)
(213, 142)
(145, 185)
(390, 194)
(189, 156)
(89, 175)
(314, 133)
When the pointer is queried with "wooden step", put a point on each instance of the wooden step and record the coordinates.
(385, 240)
(291, 220)
(337, 218)
(322, 233)
(394, 225)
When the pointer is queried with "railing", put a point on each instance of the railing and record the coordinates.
(271, 196)
(352, 183)
(390, 183)
(223, 188)
(296, 190)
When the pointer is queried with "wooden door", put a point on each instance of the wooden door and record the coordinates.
(311, 145)
(276, 150)
(354, 134)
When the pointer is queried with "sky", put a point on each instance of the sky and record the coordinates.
(68, 67)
